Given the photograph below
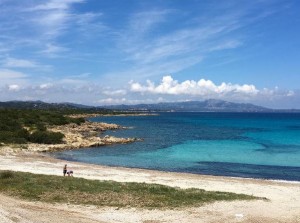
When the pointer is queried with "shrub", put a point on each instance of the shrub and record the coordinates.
(46, 137)
(78, 121)
(41, 127)
(6, 175)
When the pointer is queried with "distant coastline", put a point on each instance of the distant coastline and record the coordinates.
(92, 115)
(210, 105)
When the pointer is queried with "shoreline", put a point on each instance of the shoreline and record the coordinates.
(283, 203)
(47, 158)
(165, 171)
(93, 115)
(44, 155)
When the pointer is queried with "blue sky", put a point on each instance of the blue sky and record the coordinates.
(128, 51)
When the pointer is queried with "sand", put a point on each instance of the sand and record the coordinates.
(283, 204)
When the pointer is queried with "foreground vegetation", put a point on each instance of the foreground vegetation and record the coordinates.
(106, 193)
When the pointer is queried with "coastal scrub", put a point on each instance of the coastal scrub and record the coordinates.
(106, 193)
(23, 126)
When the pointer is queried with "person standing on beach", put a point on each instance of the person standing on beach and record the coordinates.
(65, 170)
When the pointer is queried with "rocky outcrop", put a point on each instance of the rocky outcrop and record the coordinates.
(88, 134)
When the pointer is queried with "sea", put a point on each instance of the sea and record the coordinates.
(248, 145)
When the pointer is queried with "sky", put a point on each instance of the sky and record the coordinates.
(100, 52)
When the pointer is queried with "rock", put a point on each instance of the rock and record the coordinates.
(81, 136)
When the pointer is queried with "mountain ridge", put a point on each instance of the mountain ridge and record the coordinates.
(210, 105)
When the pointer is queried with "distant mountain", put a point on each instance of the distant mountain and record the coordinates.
(51, 106)
(211, 105)
(38, 105)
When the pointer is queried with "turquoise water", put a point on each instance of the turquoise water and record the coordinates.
(227, 144)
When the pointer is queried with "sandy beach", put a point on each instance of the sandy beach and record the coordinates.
(283, 203)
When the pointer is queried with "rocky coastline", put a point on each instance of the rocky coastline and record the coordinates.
(92, 115)
(85, 135)
(88, 134)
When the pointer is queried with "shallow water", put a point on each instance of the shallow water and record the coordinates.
(252, 145)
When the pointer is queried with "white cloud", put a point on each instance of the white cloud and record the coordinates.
(290, 93)
(142, 22)
(46, 86)
(56, 5)
(190, 87)
(13, 87)
(13, 62)
(168, 90)
(173, 50)
(80, 76)
(115, 92)
(53, 50)
(12, 77)
(73, 81)
(53, 16)
(22, 63)
(199, 39)
(11, 74)
(89, 24)
(111, 101)
(3, 47)
(45, 22)
(231, 44)
(146, 70)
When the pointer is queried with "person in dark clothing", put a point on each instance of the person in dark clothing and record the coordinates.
(65, 170)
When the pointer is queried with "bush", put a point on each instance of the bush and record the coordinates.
(18, 140)
(19, 136)
(46, 137)
(14, 122)
(41, 127)
(78, 121)
(22, 133)
(6, 175)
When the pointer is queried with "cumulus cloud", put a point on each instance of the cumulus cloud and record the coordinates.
(111, 101)
(168, 90)
(13, 87)
(202, 87)
(290, 93)
(46, 86)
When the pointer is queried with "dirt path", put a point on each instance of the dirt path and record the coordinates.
(14, 210)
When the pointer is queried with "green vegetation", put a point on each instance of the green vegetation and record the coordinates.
(23, 122)
(46, 137)
(106, 193)
(26, 125)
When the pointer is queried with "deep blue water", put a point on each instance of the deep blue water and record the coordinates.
(255, 145)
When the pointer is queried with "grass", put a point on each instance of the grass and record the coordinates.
(106, 193)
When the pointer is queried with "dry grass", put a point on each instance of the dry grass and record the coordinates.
(106, 193)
